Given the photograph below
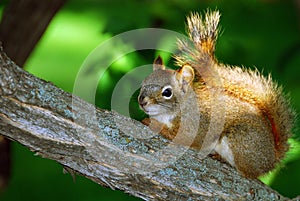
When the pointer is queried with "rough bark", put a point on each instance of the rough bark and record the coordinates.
(110, 149)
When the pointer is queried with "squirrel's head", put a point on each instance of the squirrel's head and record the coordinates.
(164, 89)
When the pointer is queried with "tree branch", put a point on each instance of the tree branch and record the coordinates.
(110, 149)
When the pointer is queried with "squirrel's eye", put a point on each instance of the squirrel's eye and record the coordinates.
(167, 92)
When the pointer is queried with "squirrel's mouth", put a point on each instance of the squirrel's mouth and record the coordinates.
(151, 110)
(152, 113)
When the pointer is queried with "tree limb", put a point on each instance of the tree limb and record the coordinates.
(110, 149)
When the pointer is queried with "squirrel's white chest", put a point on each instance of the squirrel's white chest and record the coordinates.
(165, 119)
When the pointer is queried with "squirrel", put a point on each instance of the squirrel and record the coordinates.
(255, 116)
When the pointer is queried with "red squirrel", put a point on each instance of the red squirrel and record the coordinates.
(258, 118)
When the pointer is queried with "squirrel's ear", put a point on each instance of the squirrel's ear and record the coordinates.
(186, 73)
(158, 64)
(185, 76)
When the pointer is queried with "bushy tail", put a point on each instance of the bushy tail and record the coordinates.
(246, 85)
(198, 49)
(203, 33)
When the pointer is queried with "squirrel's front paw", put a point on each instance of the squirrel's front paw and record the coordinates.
(154, 125)
(146, 121)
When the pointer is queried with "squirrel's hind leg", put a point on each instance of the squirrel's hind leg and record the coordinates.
(252, 148)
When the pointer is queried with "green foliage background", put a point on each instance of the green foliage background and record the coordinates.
(263, 34)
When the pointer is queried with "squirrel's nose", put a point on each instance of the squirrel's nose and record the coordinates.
(142, 100)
